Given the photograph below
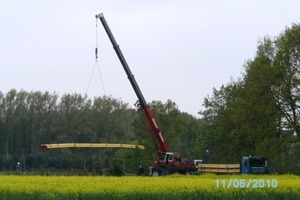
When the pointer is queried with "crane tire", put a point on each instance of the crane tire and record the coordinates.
(155, 173)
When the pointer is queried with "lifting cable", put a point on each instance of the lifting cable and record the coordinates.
(96, 63)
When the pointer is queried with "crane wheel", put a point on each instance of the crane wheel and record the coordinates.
(155, 173)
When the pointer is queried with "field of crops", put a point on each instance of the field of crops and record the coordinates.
(168, 187)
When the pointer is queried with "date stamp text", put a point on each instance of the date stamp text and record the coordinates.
(246, 183)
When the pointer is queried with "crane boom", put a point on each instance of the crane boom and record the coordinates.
(141, 105)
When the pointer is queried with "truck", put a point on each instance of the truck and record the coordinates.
(168, 162)
(254, 165)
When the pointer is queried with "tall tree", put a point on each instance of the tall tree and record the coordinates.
(283, 53)
(287, 91)
(112, 120)
(223, 118)
(260, 105)
(74, 110)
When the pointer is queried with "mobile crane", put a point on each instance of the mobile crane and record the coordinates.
(168, 162)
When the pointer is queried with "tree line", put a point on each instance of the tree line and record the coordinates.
(257, 114)
(260, 112)
(29, 119)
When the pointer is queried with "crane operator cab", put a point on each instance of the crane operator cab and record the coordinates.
(166, 158)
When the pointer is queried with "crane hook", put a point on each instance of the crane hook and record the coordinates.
(96, 53)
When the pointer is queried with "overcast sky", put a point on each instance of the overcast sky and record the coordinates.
(178, 50)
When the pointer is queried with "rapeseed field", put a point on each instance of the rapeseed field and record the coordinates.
(168, 187)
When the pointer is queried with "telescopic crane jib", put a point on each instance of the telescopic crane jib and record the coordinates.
(141, 104)
(168, 162)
